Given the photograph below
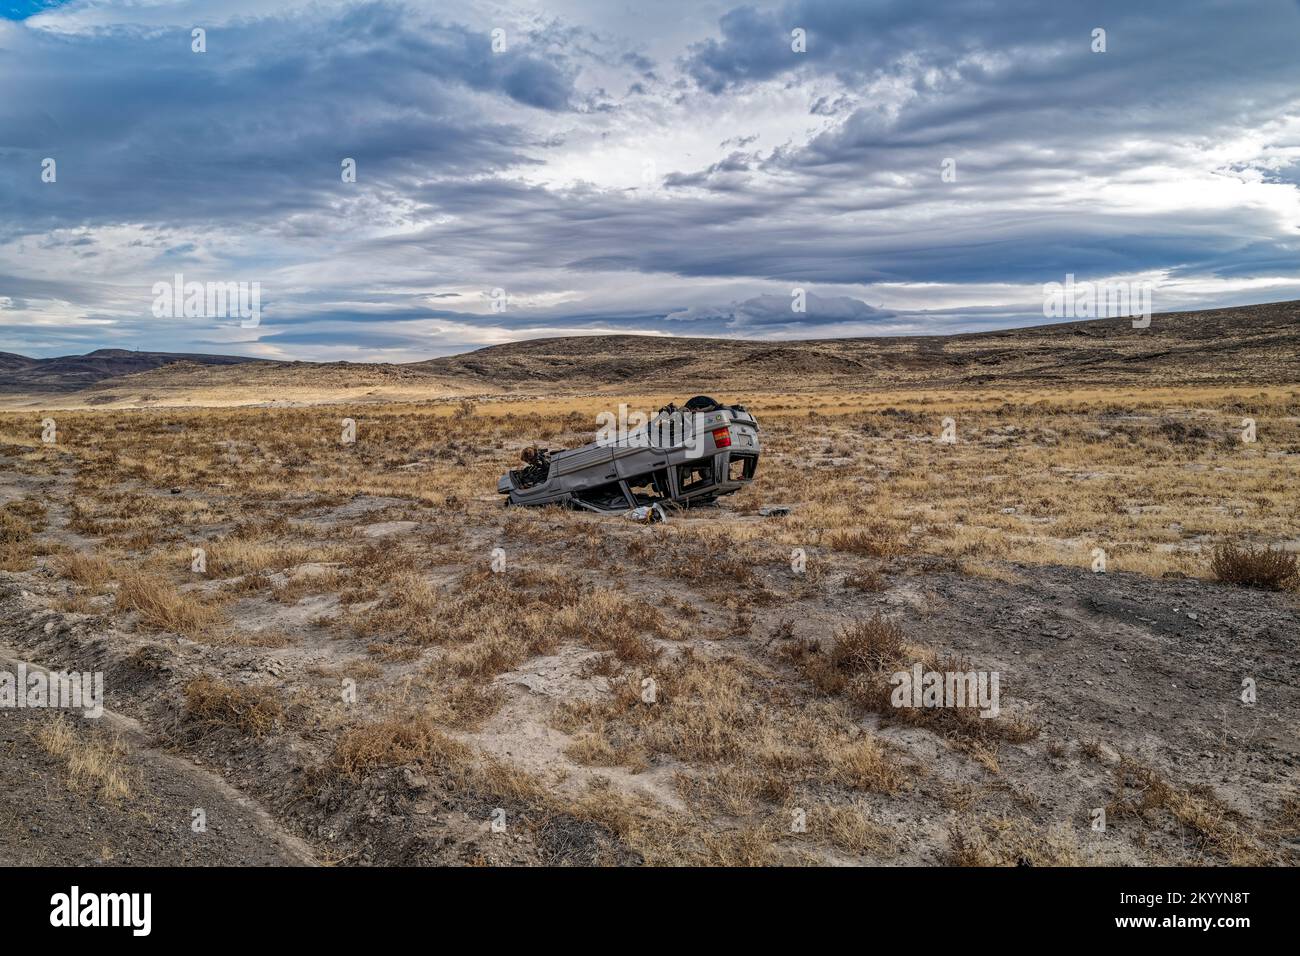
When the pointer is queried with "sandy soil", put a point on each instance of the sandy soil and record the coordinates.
(1150, 669)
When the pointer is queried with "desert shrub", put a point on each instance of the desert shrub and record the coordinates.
(249, 710)
(1181, 433)
(1249, 567)
(860, 659)
(392, 743)
(864, 656)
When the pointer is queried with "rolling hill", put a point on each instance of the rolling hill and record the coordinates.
(18, 373)
(1248, 345)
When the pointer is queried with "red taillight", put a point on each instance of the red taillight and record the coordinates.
(722, 437)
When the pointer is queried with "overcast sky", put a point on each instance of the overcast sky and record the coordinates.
(672, 167)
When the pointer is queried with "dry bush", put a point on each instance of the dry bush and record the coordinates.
(860, 660)
(866, 654)
(252, 711)
(163, 607)
(93, 759)
(393, 743)
(1272, 570)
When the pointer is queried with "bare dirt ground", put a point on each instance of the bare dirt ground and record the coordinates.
(49, 819)
(348, 670)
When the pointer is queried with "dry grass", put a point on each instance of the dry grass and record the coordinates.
(850, 828)
(233, 557)
(864, 656)
(1043, 481)
(1007, 841)
(749, 750)
(864, 765)
(13, 527)
(393, 743)
(19, 523)
(1143, 794)
(164, 608)
(94, 759)
(1287, 822)
(740, 730)
(91, 571)
(251, 711)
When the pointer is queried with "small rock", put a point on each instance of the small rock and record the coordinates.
(414, 780)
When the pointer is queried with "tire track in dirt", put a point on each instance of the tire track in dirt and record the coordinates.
(251, 825)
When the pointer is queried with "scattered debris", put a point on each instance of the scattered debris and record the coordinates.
(648, 513)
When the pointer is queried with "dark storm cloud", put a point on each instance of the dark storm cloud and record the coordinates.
(1174, 43)
(768, 313)
(142, 128)
(579, 231)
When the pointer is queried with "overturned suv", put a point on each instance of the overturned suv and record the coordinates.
(683, 457)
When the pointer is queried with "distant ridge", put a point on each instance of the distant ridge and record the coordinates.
(68, 373)
(1245, 345)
